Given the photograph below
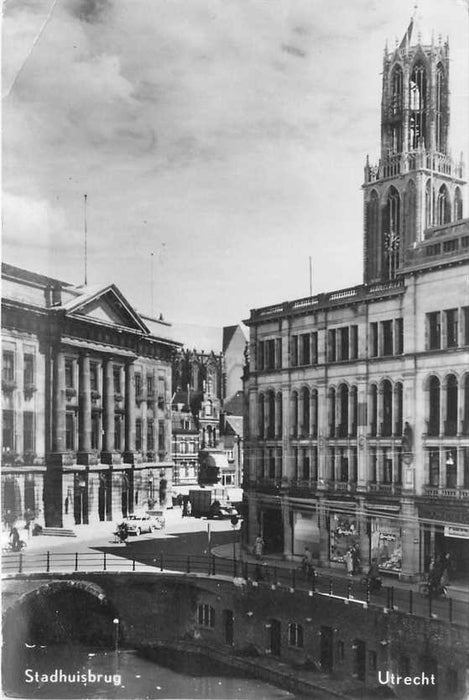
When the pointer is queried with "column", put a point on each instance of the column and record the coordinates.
(312, 413)
(301, 403)
(58, 425)
(84, 445)
(109, 404)
(443, 402)
(351, 411)
(460, 416)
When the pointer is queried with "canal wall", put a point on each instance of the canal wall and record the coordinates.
(314, 633)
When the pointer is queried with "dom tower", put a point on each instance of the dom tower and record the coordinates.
(416, 184)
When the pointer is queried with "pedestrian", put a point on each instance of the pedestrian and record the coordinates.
(188, 509)
(307, 564)
(259, 547)
(15, 539)
(356, 559)
(349, 561)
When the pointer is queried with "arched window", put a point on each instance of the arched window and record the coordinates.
(386, 427)
(314, 414)
(429, 203)
(373, 410)
(332, 399)
(465, 425)
(261, 415)
(396, 109)
(443, 206)
(440, 111)
(417, 106)
(271, 415)
(343, 410)
(279, 415)
(294, 413)
(354, 407)
(410, 214)
(391, 233)
(372, 234)
(434, 407)
(458, 206)
(398, 397)
(451, 423)
(306, 412)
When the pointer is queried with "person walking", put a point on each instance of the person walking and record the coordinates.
(259, 547)
(349, 561)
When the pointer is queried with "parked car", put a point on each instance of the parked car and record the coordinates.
(139, 523)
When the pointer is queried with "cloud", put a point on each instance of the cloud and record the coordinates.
(90, 10)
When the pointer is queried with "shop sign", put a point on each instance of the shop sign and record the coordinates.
(457, 531)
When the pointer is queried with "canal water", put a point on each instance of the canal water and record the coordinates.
(76, 672)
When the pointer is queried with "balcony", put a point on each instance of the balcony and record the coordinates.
(457, 493)
(385, 489)
(347, 486)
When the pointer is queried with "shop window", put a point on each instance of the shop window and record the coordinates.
(28, 369)
(28, 431)
(343, 535)
(295, 635)
(451, 328)
(386, 544)
(206, 615)
(451, 469)
(434, 330)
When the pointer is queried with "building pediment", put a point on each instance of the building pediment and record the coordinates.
(106, 305)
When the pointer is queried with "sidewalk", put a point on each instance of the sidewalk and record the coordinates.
(457, 591)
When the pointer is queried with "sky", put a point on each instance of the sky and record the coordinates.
(220, 143)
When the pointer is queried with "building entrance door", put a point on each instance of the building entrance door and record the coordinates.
(359, 659)
(228, 626)
(275, 638)
(326, 651)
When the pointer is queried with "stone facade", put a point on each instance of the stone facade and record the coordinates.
(358, 399)
(86, 391)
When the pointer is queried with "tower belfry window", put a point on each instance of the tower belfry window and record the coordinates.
(396, 110)
(440, 109)
(417, 104)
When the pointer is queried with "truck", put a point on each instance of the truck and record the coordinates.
(210, 502)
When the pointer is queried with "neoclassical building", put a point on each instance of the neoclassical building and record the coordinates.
(357, 425)
(86, 399)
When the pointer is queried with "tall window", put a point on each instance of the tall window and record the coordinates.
(443, 206)
(388, 348)
(434, 407)
(331, 345)
(69, 430)
(451, 424)
(295, 635)
(151, 436)
(305, 349)
(434, 330)
(417, 104)
(94, 376)
(458, 206)
(28, 369)
(116, 374)
(8, 431)
(451, 328)
(396, 108)
(440, 109)
(69, 374)
(161, 437)
(294, 351)
(138, 385)
(8, 366)
(28, 431)
(138, 434)
(386, 428)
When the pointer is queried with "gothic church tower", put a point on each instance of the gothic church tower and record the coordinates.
(416, 185)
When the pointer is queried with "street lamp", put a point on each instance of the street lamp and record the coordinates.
(81, 487)
(116, 635)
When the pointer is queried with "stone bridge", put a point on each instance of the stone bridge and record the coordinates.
(154, 608)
